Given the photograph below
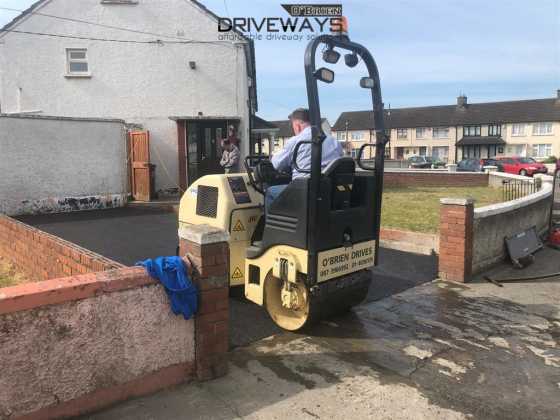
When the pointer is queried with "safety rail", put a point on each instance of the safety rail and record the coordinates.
(512, 189)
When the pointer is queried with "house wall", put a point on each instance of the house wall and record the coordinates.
(53, 164)
(140, 83)
(528, 140)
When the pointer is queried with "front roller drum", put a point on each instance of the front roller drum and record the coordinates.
(294, 306)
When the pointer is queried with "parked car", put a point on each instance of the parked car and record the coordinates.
(492, 162)
(525, 166)
(422, 162)
(469, 165)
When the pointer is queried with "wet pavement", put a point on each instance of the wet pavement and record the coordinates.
(436, 351)
(131, 234)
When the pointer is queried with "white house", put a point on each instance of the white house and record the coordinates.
(155, 63)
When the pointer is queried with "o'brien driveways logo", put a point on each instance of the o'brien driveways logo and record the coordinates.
(305, 22)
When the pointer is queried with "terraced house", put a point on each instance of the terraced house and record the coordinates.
(453, 132)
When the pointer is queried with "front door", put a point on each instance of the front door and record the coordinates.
(203, 148)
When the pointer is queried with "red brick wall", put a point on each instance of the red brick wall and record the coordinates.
(42, 256)
(212, 319)
(456, 239)
(434, 179)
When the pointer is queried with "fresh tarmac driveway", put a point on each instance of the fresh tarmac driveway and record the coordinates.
(131, 234)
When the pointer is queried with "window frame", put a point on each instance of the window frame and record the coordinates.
(70, 61)
(521, 133)
(424, 131)
(536, 132)
(476, 129)
(400, 131)
(357, 135)
(498, 130)
(437, 130)
(546, 147)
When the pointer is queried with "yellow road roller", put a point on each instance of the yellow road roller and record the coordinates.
(310, 255)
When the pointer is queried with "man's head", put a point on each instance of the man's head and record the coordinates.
(299, 119)
(231, 130)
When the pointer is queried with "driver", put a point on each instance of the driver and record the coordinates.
(282, 160)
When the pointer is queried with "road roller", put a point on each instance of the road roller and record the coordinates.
(310, 255)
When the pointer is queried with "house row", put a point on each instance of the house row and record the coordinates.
(529, 128)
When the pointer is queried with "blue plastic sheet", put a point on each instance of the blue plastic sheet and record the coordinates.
(172, 274)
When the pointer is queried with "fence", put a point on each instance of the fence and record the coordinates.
(512, 189)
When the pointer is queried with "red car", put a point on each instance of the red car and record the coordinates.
(525, 166)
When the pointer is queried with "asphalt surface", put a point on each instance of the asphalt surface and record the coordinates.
(132, 234)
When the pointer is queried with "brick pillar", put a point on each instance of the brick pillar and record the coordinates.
(208, 250)
(456, 239)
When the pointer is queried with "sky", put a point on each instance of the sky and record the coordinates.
(428, 52)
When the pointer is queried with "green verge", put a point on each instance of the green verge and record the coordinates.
(417, 208)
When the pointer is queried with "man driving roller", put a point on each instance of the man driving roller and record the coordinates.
(282, 160)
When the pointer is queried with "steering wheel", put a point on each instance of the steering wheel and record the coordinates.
(263, 174)
(253, 165)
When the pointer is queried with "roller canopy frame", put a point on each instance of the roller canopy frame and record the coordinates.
(318, 136)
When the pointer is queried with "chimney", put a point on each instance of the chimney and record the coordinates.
(461, 101)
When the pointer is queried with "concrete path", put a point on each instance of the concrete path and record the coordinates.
(128, 235)
(437, 351)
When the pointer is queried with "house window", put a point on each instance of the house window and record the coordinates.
(518, 129)
(388, 151)
(341, 135)
(494, 130)
(357, 135)
(402, 133)
(440, 133)
(77, 63)
(542, 129)
(355, 153)
(421, 133)
(542, 150)
(471, 130)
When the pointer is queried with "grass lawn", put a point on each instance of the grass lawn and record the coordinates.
(417, 208)
(9, 276)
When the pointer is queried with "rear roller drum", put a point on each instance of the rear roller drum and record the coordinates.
(290, 305)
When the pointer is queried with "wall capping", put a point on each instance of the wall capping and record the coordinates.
(494, 209)
(49, 292)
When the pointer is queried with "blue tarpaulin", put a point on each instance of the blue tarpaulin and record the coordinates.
(172, 274)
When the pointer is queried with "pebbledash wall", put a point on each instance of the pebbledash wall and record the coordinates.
(71, 345)
(56, 164)
(472, 240)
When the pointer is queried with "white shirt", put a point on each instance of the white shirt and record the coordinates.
(282, 161)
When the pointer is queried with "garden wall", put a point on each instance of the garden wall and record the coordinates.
(72, 345)
(494, 223)
(55, 164)
(43, 256)
(471, 240)
(433, 178)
